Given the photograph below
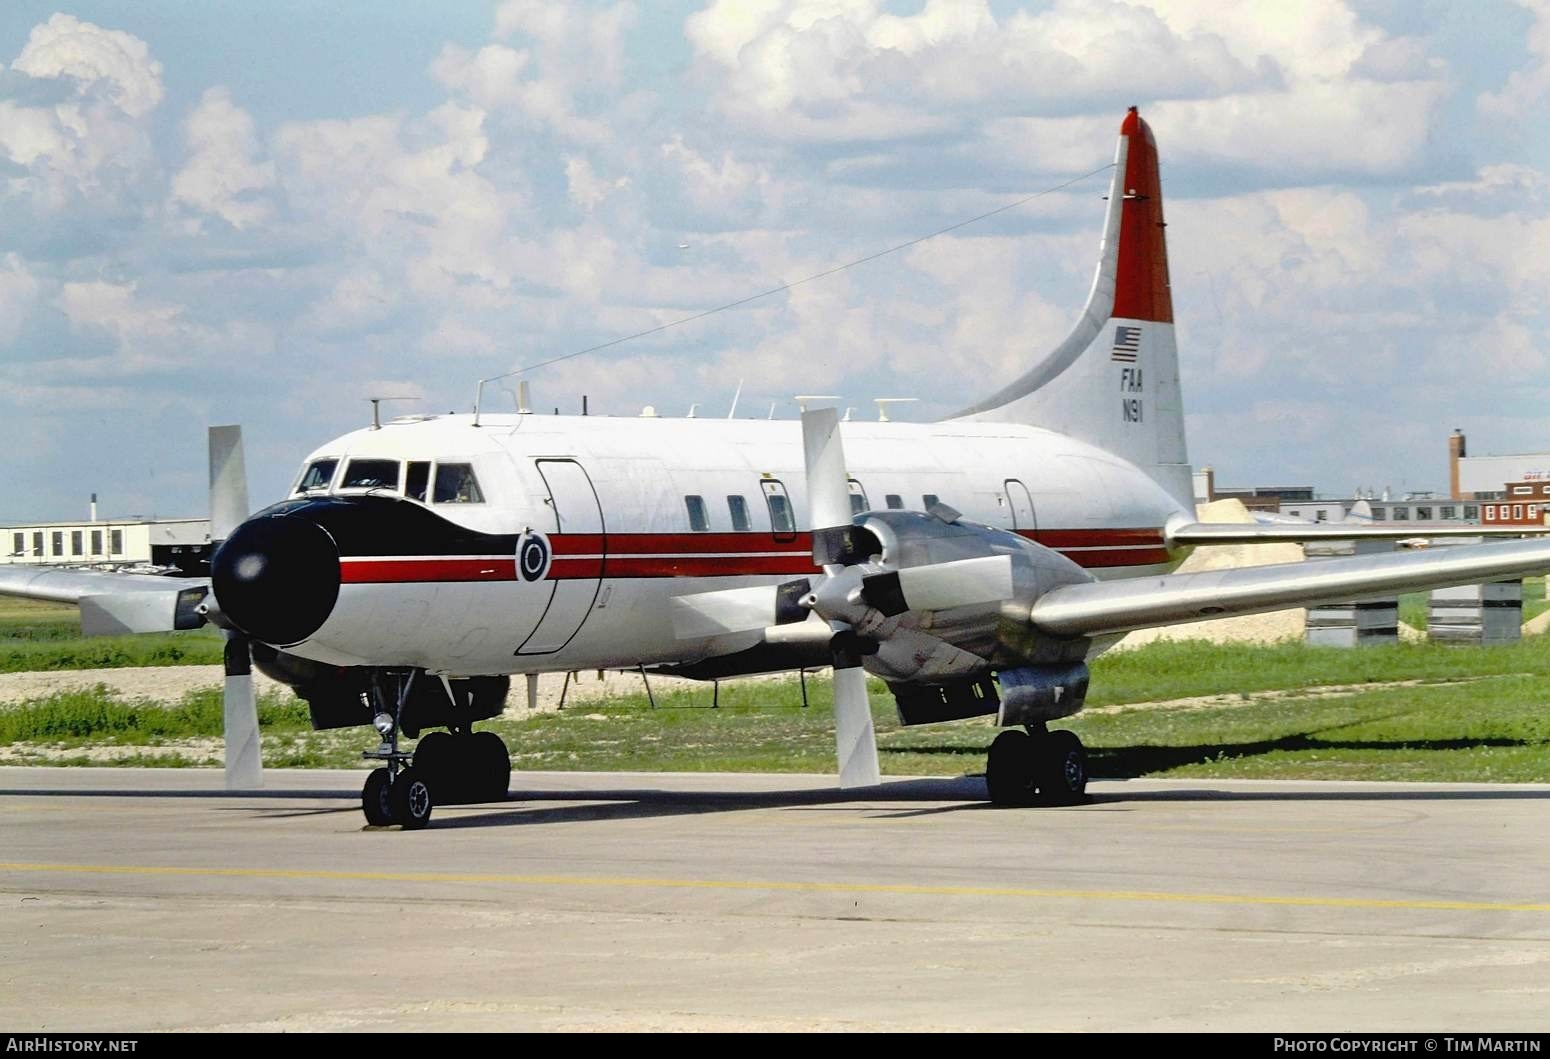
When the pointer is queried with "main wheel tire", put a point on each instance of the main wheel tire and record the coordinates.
(1061, 769)
(411, 798)
(490, 765)
(376, 802)
(436, 758)
(1009, 769)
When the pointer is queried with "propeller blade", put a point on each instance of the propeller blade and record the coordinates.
(855, 740)
(940, 586)
(228, 482)
(164, 608)
(733, 610)
(828, 487)
(239, 707)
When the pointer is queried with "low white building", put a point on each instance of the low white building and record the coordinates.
(110, 542)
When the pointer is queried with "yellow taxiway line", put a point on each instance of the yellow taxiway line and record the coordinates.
(905, 889)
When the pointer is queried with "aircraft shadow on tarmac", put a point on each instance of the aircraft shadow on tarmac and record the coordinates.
(896, 799)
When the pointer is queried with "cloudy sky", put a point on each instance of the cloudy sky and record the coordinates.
(265, 212)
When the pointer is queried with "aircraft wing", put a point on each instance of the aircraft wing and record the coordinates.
(112, 604)
(1142, 602)
(1277, 532)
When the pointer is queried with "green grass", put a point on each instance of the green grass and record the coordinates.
(1479, 714)
(37, 636)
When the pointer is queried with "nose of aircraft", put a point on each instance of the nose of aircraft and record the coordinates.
(276, 578)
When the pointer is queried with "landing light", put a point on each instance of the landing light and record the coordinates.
(383, 723)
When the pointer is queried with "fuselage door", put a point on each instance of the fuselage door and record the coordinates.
(580, 545)
(1021, 503)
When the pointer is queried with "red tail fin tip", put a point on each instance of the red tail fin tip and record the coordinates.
(1141, 290)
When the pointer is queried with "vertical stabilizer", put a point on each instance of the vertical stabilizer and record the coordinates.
(1114, 381)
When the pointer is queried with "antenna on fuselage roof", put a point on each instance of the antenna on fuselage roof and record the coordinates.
(732, 412)
(376, 408)
(802, 398)
(882, 404)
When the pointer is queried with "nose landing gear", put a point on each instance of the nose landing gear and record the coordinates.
(445, 768)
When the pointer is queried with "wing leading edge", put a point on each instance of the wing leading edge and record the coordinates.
(112, 604)
(1143, 602)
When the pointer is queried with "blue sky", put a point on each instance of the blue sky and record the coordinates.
(265, 213)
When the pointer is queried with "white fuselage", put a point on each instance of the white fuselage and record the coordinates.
(607, 499)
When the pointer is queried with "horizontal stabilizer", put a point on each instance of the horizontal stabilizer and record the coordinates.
(115, 614)
(1295, 533)
(1144, 602)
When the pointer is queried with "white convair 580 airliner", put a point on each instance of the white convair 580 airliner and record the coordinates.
(975, 564)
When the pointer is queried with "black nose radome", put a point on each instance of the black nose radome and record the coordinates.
(276, 578)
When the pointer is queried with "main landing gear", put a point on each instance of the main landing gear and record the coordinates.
(445, 768)
(1036, 767)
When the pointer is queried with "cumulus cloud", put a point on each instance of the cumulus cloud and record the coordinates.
(225, 174)
(590, 170)
(118, 63)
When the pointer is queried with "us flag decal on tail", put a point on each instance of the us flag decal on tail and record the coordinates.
(1127, 343)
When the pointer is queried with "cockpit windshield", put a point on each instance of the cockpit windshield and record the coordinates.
(456, 484)
(317, 476)
(371, 474)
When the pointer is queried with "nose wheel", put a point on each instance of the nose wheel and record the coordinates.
(446, 768)
(1036, 767)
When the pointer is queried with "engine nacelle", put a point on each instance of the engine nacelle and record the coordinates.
(998, 636)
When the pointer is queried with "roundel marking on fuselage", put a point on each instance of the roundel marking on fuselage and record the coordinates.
(533, 555)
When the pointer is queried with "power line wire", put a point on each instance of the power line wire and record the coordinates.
(805, 279)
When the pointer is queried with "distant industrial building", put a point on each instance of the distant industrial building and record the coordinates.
(183, 544)
(1259, 498)
(1302, 501)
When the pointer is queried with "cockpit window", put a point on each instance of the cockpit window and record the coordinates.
(317, 475)
(415, 480)
(456, 484)
(371, 474)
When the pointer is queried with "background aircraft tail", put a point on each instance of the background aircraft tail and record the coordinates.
(1114, 381)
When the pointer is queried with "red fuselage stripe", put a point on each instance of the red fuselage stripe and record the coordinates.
(638, 555)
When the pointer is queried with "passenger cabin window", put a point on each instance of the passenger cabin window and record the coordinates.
(781, 519)
(317, 475)
(928, 501)
(699, 522)
(371, 474)
(417, 478)
(894, 501)
(858, 500)
(737, 507)
(456, 484)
